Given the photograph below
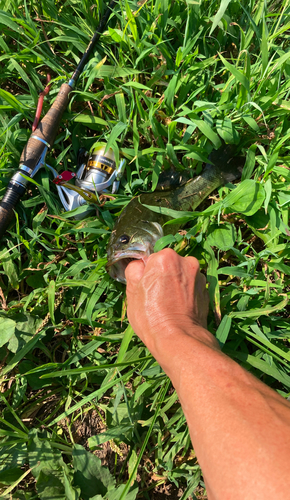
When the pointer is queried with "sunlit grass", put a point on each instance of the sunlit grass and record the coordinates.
(168, 83)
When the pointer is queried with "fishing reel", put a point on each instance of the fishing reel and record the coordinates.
(97, 173)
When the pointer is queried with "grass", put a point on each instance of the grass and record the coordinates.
(169, 81)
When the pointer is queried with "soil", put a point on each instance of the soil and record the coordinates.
(92, 424)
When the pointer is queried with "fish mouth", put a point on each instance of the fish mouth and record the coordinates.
(118, 263)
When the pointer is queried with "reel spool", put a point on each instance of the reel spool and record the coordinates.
(98, 170)
(96, 175)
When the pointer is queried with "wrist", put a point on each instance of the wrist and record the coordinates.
(187, 331)
(172, 345)
(200, 333)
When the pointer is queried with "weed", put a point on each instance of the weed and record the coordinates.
(86, 412)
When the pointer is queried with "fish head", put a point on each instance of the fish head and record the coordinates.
(131, 242)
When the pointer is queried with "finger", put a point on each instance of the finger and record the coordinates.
(163, 260)
(134, 272)
(206, 309)
(203, 305)
(193, 262)
(201, 281)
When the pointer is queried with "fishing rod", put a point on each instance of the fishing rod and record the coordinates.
(33, 154)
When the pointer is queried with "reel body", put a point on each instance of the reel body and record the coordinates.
(95, 176)
(98, 169)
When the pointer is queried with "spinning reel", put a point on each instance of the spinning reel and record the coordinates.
(93, 176)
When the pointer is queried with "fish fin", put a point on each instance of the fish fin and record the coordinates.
(230, 166)
(170, 179)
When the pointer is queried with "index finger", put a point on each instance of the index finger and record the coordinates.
(134, 272)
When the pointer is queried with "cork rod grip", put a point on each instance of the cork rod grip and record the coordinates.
(47, 129)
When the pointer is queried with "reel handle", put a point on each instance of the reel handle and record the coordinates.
(46, 130)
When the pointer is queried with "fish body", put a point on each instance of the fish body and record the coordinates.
(138, 228)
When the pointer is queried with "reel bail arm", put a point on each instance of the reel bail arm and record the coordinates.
(96, 176)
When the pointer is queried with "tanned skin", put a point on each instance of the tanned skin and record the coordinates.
(239, 427)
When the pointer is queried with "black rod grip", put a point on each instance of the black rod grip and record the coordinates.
(7, 205)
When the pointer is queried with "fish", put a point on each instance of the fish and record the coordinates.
(138, 228)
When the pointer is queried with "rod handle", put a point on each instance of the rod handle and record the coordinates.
(7, 205)
(47, 129)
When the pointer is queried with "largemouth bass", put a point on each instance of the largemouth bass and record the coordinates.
(138, 228)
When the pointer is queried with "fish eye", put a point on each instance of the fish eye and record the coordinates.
(124, 239)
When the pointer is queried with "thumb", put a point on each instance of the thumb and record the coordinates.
(134, 272)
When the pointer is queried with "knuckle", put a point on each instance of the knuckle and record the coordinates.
(194, 263)
(162, 253)
(166, 258)
(167, 255)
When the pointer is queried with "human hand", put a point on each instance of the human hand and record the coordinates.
(166, 294)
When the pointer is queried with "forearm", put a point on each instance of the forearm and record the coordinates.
(239, 427)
